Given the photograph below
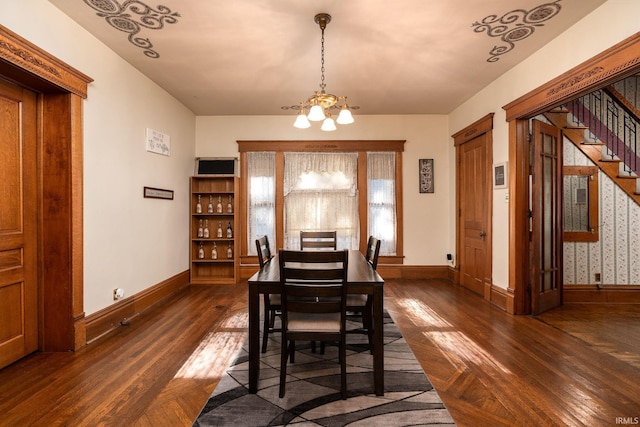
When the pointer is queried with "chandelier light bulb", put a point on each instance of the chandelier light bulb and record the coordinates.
(316, 114)
(328, 124)
(301, 121)
(345, 117)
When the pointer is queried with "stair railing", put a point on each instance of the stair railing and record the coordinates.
(612, 120)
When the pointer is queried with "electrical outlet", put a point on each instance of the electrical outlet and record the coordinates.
(118, 293)
(597, 278)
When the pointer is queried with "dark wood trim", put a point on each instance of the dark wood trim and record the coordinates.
(611, 294)
(109, 318)
(46, 72)
(361, 147)
(322, 145)
(519, 218)
(475, 129)
(616, 63)
(61, 222)
(499, 297)
(61, 90)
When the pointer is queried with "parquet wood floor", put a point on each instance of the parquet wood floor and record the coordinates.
(577, 365)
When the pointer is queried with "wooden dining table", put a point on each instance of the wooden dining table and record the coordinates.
(361, 279)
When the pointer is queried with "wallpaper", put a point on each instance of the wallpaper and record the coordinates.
(616, 256)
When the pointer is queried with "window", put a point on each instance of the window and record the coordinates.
(580, 200)
(353, 187)
(320, 194)
(261, 201)
(381, 200)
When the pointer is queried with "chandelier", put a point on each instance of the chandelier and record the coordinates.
(321, 102)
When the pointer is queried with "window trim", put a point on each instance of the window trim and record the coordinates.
(356, 146)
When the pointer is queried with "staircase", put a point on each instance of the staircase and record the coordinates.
(604, 125)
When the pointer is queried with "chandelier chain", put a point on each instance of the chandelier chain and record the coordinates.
(322, 83)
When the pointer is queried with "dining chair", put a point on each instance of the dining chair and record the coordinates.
(373, 250)
(318, 240)
(314, 293)
(362, 305)
(272, 302)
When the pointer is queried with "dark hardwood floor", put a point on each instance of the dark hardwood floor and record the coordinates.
(577, 365)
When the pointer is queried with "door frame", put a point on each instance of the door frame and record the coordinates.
(61, 90)
(481, 127)
(616, 63)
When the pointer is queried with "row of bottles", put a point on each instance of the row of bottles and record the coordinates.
(218, 206)
(214, 251)
(203, 232)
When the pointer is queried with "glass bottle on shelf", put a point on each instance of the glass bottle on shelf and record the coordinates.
(210, 205)
(199, 205)
(201, 251)
(229, 231)
(219, 206)
(229, 252)
(205, 234)
(214, 251)
(230, 205)
(219, 229)
(200, 231)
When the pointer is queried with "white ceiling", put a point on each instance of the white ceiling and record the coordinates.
(251, 57)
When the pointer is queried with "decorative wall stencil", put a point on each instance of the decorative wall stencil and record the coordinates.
(123, 17)
(515, 26)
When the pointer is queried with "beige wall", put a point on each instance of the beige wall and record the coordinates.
(129, 242)
(427, 217)
(609, 24)
(134, 243)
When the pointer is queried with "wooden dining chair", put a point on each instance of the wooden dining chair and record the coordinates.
(272, 302)
(362, 305)
(373, 250)
(318, 240)
(314, 293)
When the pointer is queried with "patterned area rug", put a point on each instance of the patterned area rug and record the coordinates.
(313, 389)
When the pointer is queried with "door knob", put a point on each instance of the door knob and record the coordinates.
(483, 234)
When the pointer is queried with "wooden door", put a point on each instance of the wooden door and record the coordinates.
(18, 232)
(546, 217)
(475, 212)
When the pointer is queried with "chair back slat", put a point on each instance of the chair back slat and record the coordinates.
(313, 282)
(264, 250)
(318, 240)
(373, 250)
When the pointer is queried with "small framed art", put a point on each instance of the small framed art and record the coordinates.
(500, 175)
(158, 193)
(425, 173)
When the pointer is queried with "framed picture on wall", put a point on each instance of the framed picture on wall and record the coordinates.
(425, 173)
(500, 175)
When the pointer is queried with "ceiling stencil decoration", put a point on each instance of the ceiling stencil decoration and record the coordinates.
(132, 16)
(515, 26)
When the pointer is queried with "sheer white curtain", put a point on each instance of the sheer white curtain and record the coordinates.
(381, 198)
(261, 203)
(321, 194)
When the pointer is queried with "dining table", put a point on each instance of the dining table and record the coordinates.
(361, 279)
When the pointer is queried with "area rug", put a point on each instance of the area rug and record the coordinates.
(313, 389)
